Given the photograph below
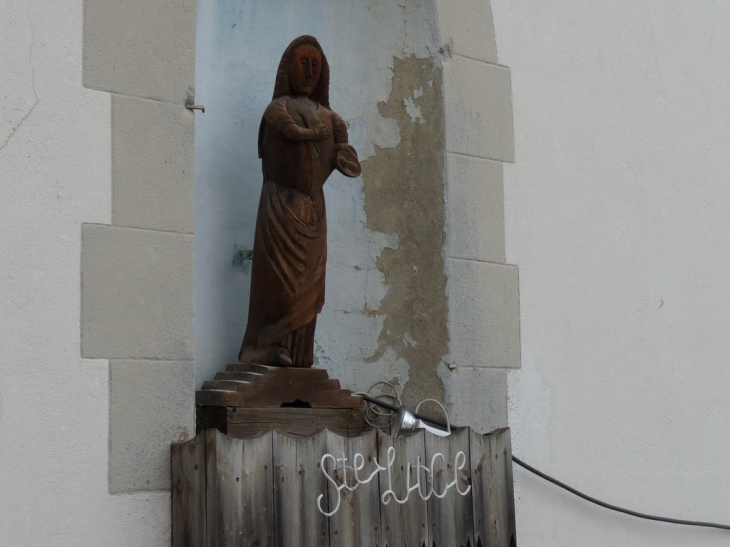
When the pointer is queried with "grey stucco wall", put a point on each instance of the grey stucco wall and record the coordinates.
(137, 273)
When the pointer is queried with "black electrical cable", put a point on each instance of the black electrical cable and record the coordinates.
(556, 482)
(614, 507)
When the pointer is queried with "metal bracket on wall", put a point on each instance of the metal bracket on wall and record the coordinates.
(196, 107)
(241, 257)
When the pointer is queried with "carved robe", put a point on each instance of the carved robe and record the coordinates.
(290, 244)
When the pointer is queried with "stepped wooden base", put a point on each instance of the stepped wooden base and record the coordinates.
(248, 399)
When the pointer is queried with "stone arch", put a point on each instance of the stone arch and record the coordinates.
(483, 290)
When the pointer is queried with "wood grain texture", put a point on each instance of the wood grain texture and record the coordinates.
(450, 517)
(254, 480)
(239, 491)
(263, 491)
(257, 386)
(357, 523)
(245, 422)
(298, 482)
(493, 489)
(212, 503)
(188, 493)
(502, 495)
(407, 524)
(463, 505)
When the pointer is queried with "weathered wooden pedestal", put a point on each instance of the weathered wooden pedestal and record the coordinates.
(249, 399)
(280, 478)
(268, 491)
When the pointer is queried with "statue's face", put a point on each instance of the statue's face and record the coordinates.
(304, 70)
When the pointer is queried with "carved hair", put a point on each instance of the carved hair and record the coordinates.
(321, 92)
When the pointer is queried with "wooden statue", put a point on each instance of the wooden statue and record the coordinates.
(301, 141)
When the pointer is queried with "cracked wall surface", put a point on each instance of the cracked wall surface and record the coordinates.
(404, 197)
(55, 181)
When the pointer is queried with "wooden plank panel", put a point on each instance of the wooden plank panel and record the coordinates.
(287, 492)
(245, 422)
(491, 459)
(357, 522)
(240, 491)
(481, 483)
(451, 518)
(298, 481)
(510, 491)
(256, 486)
(502, 493)
(463, 505)
(403, 525)
(212, 502)
(228, 462)
(188, 493)
(440, 511)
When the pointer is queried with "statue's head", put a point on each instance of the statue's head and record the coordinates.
(303, 70)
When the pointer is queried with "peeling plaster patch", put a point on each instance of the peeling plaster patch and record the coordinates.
(413, 111)
(404, 196)
(417, 93)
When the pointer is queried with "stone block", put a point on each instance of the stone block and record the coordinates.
(478, 106)
(484, 320)
(467, 28)
(152, 164)
(136, 293)
(477, 397)
(152, 404)
(474, 208)
(144, 48)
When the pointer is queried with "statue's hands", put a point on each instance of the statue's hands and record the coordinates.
(346, 161)
(321, 132)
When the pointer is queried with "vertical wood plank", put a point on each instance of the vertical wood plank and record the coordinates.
(357, 522)
(480, 483)
(502, 499)
(228, 462)
(510, 491)
(451, 517)
(212, 501)
(440, 511)
(463, 510)
(287, 492)
(403, 525)
(491, 459)
(229, 518)
(255, 483)
(239, 493)
(188, 493)
(298, 482)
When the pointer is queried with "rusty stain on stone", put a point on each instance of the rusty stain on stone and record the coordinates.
(404, 196)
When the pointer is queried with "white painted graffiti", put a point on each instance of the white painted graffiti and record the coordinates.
(351, 479)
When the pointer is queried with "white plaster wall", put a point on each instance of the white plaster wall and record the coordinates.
(55, 173)
(617, 216)
(239, 44)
